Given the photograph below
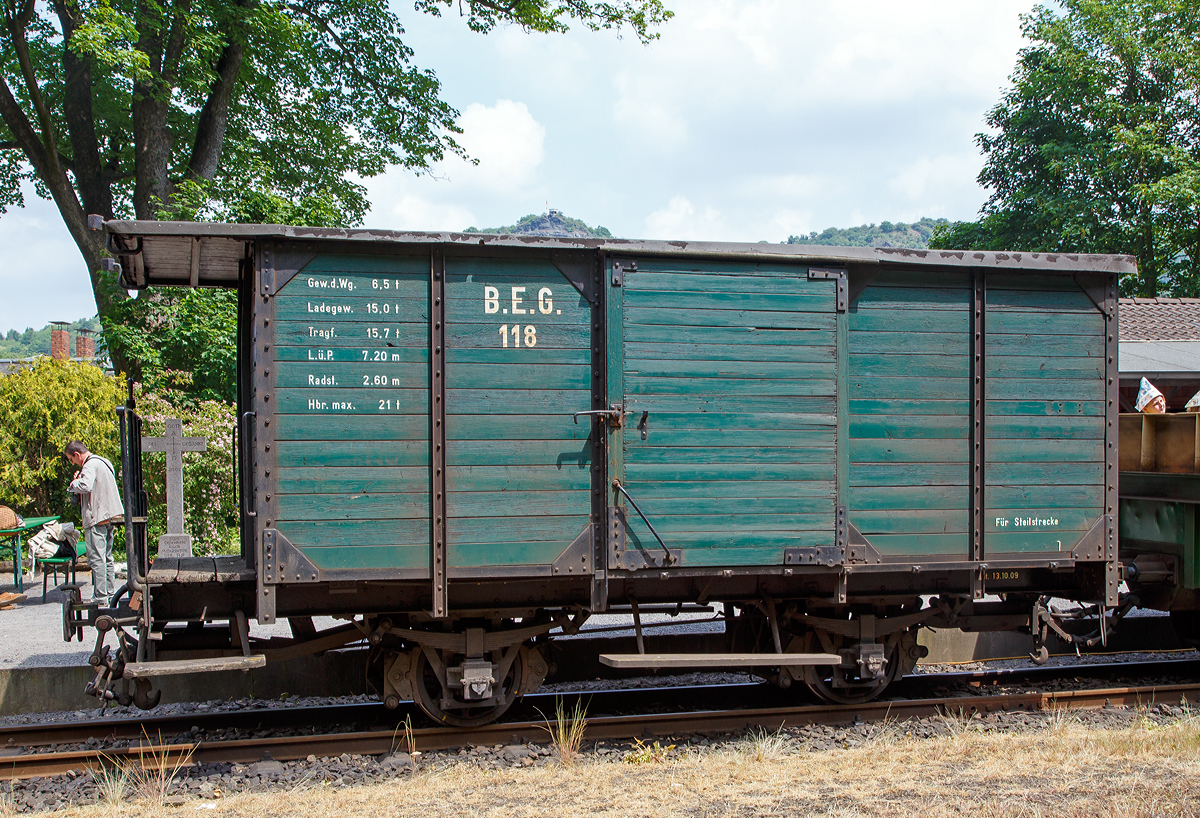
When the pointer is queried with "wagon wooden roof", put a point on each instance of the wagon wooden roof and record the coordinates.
(207, 254)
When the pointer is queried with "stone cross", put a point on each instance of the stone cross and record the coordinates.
(175, 543)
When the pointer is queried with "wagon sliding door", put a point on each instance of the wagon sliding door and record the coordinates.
(729, 375)
(518, 469)
(341, 357)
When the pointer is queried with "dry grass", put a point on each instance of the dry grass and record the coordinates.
(1066, 771)
(147, 780)
(7, 803)
(567, 729)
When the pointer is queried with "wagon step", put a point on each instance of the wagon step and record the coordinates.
(625, 660)
(142, 670)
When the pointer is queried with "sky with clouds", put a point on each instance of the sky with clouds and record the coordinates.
(748, 120)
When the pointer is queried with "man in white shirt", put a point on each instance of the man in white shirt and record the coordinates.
(100, 507)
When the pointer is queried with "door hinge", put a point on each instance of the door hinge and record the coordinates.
(843, 289)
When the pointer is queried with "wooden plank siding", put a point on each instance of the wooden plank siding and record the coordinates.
(909, 399)
(518, 474)
(352, 411)
(734, 365)
(1044, 424)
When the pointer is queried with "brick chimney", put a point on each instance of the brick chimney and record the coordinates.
(60, 341)
(85, 345)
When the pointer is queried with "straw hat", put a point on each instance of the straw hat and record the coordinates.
(8, 517)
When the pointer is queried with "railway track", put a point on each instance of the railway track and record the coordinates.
(672, 711)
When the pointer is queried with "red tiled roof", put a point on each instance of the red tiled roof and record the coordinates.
(1160, 319)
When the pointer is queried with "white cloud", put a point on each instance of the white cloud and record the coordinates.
(680, 219)
(507, 141)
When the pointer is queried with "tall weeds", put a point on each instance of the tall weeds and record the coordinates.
(567, 730)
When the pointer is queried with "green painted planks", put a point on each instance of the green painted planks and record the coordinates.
(1039, 408)
(363, 401)
(945, 450)
(922, 280)
(660, 433)
(723, 403)
(1040, 368)
(467, 270)
(353, 533)
(368, 557)
(699, 368)
(295, 374)
(545, 335)
(915, 387)
(518, 478)
(906, 521)
(717, 524)
(655, 505)
(517, 552)
(1043, 323)
(351, 427)
(916, 498)
(566, 453)
(746, 353)
(368, 507)
(738, 547)
(741, 490)
(1026, 451)
(811, 302)
(380, 266)
(518, 356)
(640, 453)
(1041, 520)
(925, 343)
(954, 322)
(652, 267)
(516, 503)
(516, 427)
(876, 365)
(1053, 496)
(728, 318)
(909, 298)
(341, 480)
(1043, 300)
(1038, 428)
(916, 545)
(300, 453)
(636, 384)
(910, 427)
(500, 401)
(909, 407)
(532, 374)
(325, 333)
(1044, 474)
(745, 471)
(1033, 542)
(637, 283)
(723, 336)
(681, 424)
(375, 357)
(1044, 346)
(484, 530)
(1024, 282)
(909, 474)
(1022, 388)
(393, 309)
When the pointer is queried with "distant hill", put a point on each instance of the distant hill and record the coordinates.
(553, 223)
(913, 236)
(33, 342)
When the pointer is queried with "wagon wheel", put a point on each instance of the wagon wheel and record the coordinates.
(850, 688)
(427, 688)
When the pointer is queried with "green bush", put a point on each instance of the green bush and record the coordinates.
(42, 408)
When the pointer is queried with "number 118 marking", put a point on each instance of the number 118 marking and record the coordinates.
(515, 331)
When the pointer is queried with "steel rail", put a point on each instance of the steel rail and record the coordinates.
(380, 742)
(122, 728)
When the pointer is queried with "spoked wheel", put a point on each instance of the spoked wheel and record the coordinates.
(429, 695)
(843, 685)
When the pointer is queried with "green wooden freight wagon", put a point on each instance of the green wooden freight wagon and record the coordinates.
(467, 433)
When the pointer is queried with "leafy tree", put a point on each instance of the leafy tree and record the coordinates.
(1097, 142)
(177, 109)
(887, 234)
(42, 408)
